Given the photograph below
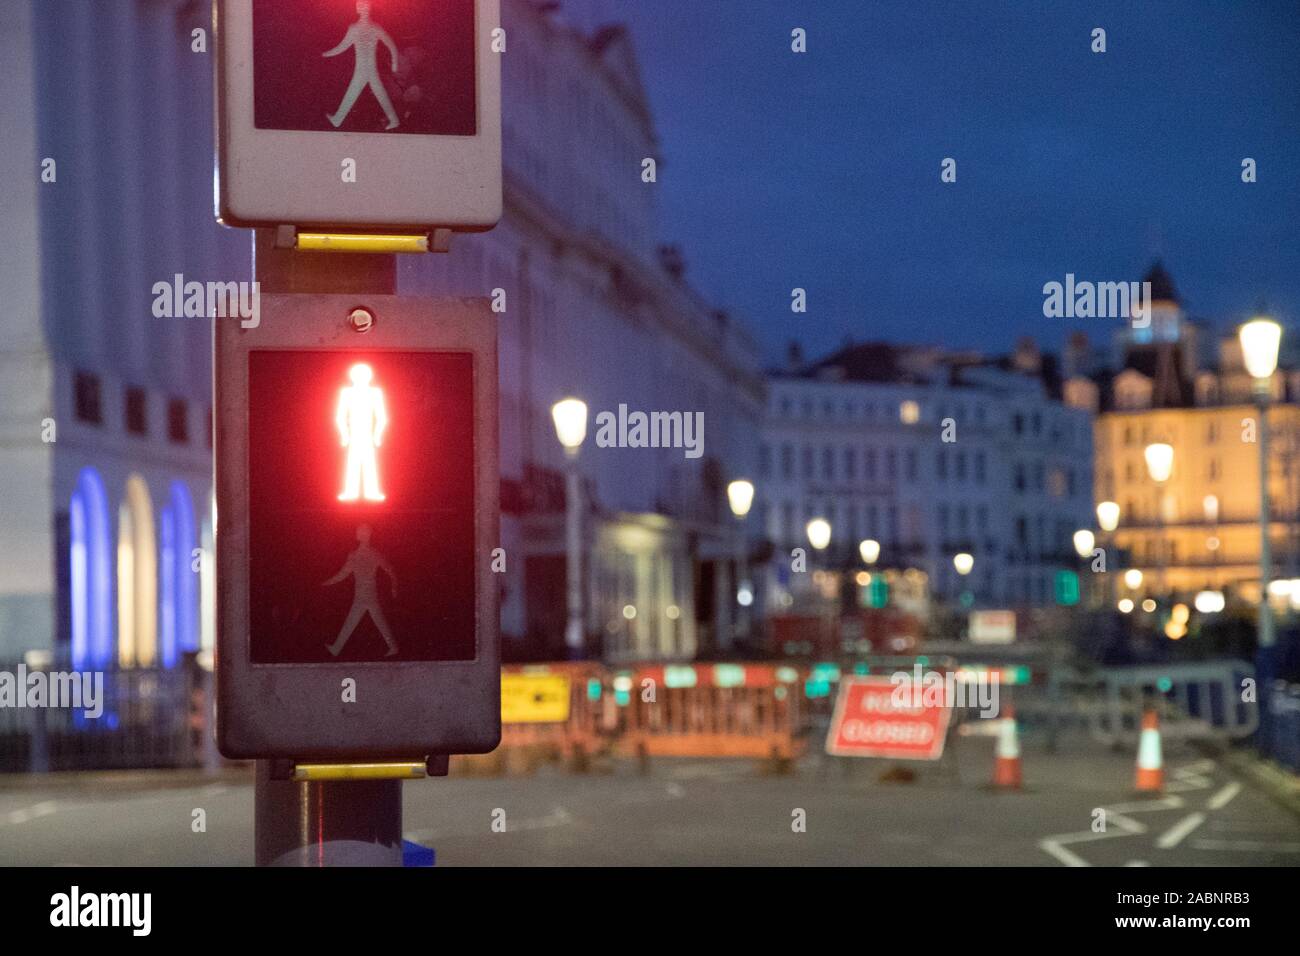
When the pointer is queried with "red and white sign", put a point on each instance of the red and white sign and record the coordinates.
(875, 718)
(992, 627)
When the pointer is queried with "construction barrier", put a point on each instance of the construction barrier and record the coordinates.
(556, 709)
(712, 710)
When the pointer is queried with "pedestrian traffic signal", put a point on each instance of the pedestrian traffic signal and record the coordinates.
(357, 488)
(337, 113)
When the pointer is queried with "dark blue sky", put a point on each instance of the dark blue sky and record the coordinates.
(822, 170)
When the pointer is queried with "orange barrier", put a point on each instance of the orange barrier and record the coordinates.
(586, 720)
(712, 710)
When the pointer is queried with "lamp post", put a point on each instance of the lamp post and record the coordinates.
(740, 497)
(1260, 339)
(1160, 465)
(1084, 542)
(1108, 513)
(570, 417)
(869, 548)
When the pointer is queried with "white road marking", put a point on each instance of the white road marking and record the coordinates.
(1220, 799)
(1179, 831)
(1137, 863)
(1192, 776)
(1245, 845)
(1116, 817)
(34, 812)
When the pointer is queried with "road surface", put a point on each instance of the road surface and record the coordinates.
(708, 812)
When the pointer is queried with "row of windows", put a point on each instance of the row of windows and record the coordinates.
(1143, 436)
(853, 411)
(875, 463)
(89, 408)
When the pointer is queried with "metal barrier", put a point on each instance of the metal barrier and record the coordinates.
(146, 722)
(1198, 701)
(559, 710)
(1284, 709)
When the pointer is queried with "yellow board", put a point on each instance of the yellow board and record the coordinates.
(534, 698)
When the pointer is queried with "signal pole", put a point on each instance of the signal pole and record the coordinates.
(323, 822)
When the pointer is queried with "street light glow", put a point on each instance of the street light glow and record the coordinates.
(1108, 515)
(1084, 540)
(1160, 461)
(1209, 602)
(870, 550)
(963, 562)
(1260, 340)
(740, 496)
(570, 417)
(819, 533)
(1133, 579)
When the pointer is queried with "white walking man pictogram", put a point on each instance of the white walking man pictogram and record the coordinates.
(361, 420)
(363, 566)
(365, 36)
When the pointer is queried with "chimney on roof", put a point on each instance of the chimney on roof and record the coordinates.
(1078, 355)
(670, 257)
(793, 356)
(1026, 357)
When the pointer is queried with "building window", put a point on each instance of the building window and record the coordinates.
(178, 425)
(807, 463)
(137, 412)
(981, 472)
(869, 464)
(909, 464)
(87, 398)
(764, 461)
(891, 465)
(787, 462)
(851, 464)
(941, 465)
(828, 464)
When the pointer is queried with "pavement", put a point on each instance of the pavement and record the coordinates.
(708, 812)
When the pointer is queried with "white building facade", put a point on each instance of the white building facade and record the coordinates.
(931, 455)
(107, 524)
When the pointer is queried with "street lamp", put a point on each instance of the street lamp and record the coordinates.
(740, 496)
(1160, 465)
(570, 417)
(1260, 340)
(1108, 521)
(1084, 541)
(819, 533)
(1132, 579)
(870, 550)
(963, 562)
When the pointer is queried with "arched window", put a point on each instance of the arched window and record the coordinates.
(91, 563)
(178, 578)
(137, 578)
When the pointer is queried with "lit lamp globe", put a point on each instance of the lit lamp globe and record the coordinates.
(870, 550)
(963, 562)
(1108, 515)
(1160, 461)
(740, 496)
(819, 533)
(1083, 542)
(1260, 339)
(570, 417)
(1132, 579)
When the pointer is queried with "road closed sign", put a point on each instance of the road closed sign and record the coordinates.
(359, 113)
(873, 718)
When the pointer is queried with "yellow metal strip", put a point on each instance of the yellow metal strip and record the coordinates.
(404, 770)
(361, 242)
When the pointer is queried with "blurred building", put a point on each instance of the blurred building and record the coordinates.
(1199, 530)
(930, 453)
(107, 522)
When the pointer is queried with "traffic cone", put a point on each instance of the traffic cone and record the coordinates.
(1150, 765)
(1006, 766)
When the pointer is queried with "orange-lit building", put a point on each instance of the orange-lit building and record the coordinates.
(1199, 529)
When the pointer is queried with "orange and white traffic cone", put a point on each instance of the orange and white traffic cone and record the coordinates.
(1006, 767)
(1150, 765)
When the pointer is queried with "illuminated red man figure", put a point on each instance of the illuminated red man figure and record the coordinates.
(361, 419)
